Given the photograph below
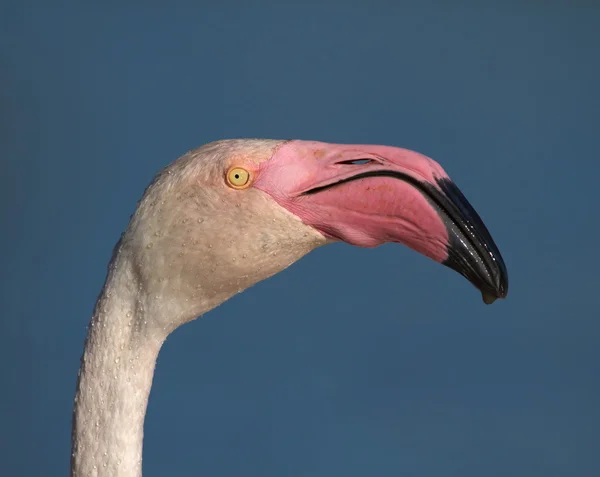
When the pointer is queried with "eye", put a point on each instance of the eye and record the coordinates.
(238, 178)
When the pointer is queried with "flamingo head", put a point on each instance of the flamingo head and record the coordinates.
(232, 213)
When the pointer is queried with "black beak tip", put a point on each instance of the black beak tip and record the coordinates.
(490, 296)
(495, 286)
(471, 249)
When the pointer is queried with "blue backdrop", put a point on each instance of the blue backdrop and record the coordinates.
(352, 362)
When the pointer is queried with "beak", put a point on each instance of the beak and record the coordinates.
(367, 195)
(472, 251)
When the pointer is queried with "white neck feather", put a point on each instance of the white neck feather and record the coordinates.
(114, 382)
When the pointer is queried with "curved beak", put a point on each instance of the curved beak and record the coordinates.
(472, 251)
(367, 195)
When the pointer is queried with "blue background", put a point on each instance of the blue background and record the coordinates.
(352, 362)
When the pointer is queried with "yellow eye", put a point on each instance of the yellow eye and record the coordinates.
(238, 178)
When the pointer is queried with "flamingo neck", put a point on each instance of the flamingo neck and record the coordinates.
(114, 380)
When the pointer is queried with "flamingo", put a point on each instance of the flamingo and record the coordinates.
(232, 213)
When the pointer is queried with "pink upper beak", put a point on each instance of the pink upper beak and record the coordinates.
(367, 195)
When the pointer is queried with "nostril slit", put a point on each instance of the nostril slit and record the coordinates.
(356, 161)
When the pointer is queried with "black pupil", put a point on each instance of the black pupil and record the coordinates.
(237, 176)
